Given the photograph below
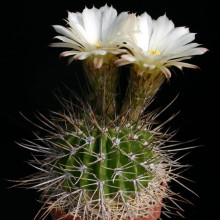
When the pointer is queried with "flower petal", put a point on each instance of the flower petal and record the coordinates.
(92, 24)
(166, 71)
(98, 62)
(121, 62)
(129, 58)
(182, 64)
(82, 55)
(162, 27)
(62, 30)
(66, 45)
(67, 40)
(109, 14)
(144, 31)
(68, 53)
(99, 52)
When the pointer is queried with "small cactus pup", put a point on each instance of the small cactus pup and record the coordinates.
(102, 160)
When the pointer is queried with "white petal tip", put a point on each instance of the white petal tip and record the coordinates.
(204, 49)
(121, 62)
(55, 26)
(67, 53)
(196, 67)
(166, 72)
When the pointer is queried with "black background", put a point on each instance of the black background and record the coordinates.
(30, 71)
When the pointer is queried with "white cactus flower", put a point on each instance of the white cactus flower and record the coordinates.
(157, 45)
(94, 32)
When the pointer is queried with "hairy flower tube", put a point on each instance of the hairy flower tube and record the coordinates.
(154, 47)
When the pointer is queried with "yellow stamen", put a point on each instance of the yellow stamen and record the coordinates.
(97, 45)
(155, 52)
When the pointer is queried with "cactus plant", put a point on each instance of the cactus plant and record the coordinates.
(101, 160)
(94, 169)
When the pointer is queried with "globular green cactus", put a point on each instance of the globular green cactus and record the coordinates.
(102, 169)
